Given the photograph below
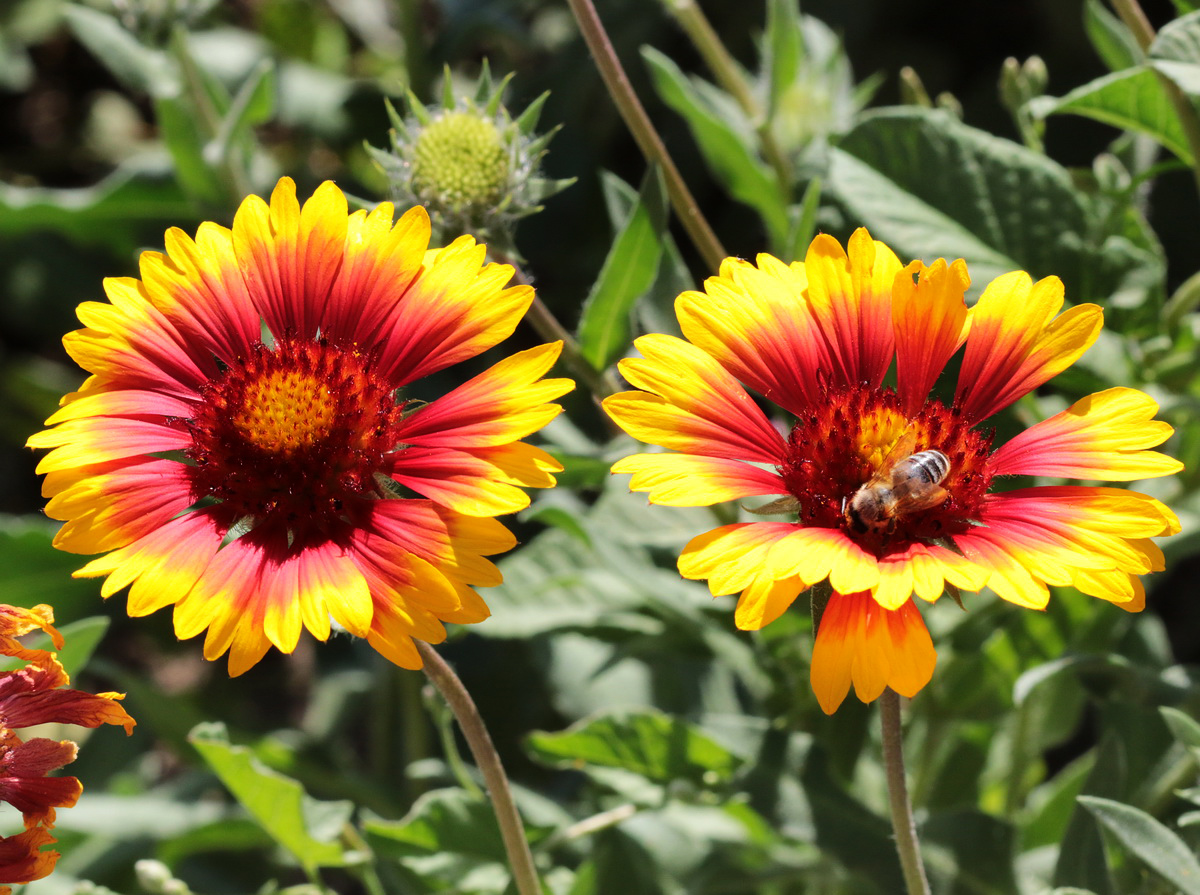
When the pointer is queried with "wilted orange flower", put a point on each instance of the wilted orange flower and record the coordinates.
(37, 694)
(888, 489)
(252, 406)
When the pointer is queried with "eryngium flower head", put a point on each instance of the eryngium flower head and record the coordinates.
(255, 447)
(816, 339)
(468, 162)
(39, 694)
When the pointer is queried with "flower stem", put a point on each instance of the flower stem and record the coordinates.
(512, 830)
(648, 140)
(1135, 20)
(903, 826)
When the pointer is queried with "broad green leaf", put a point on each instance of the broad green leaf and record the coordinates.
(726, 147)
(1176, 52)
(1110, 38)
(447, 833)
(112, 213)
(970, 851)
(627, 274)
(661, 748)
(1132, 99)
(991, 201)
(1081, 854)
(1184, 727)
(1051, 805)
(137, 66)
(309, 829)
(1160, 848)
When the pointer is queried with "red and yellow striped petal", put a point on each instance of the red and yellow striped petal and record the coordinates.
(379, 266)
(931, 321)
(814, 554)
(1039, 536)
(96, 440)
(119, 503)
(924, 569)
(501, 405)
(754, 321)
(198, 286)
(731, 556)
(850, 294)
(1103, 436)
(454, 311)
(1016, 342)
(691, 404)
(861, 643)
(290, 255)
(682, 480)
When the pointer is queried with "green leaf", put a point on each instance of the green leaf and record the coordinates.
(1132, 99)
(137, 66)
(627, 274)
(1184, 727)
(112, 213)
(1176, 52)
(783, 46)
(1161, 849)
(993, 202)
(725, 141)
(804, 216)
(1110, 38)
(1081, 853)
(658, 747)
(970, 851)
(309, 829)
(253, 104)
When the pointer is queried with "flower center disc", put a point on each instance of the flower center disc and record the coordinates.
(292, 432)
(855, 439)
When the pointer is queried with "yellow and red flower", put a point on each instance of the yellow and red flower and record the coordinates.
(250, 410)
(817, 339)
(38, 694)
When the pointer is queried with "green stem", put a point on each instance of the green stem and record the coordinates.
(1135, 20)
(512, 830)
(903, 826)
(648, 140)
(729, 75)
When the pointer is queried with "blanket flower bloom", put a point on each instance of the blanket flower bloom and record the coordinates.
(890, 488)
(250, 408)
(38, 694)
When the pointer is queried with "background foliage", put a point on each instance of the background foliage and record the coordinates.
(656, 749)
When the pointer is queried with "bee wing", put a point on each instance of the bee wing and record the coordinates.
(911, 500)
(902, 448)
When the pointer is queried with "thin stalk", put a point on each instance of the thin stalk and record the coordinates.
(903, 826)
(512, 830)
(729, 75)
(1135, 20)
(648, 140)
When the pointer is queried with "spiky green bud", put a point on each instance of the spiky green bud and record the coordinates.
(471, 164)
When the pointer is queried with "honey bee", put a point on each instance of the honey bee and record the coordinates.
(904, 483)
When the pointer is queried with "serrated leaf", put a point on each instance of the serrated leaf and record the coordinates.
(728, 150)
(1154, 843)
(1132, 99)
(658, 747)
(627, 274)
(1110, 38)
(304, 826)
(137, 66)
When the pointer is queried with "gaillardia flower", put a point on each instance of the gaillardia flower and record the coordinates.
(38, 694)
(251, 412)
(888, 489)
